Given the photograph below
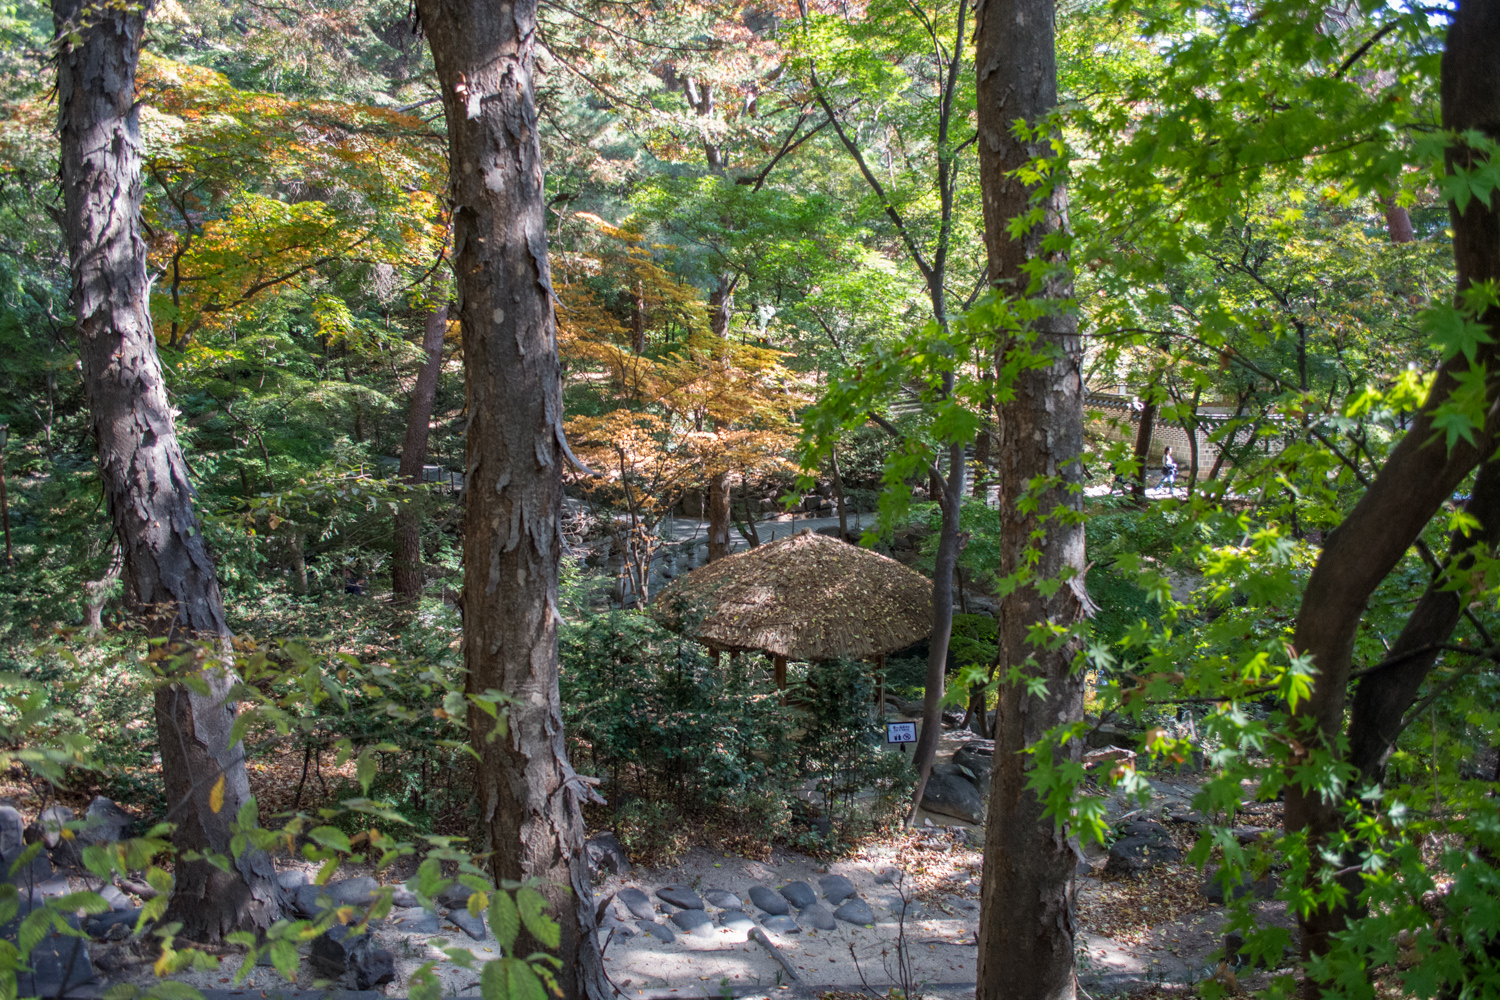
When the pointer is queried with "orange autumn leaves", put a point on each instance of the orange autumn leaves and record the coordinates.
(251, 194)
(681, 404)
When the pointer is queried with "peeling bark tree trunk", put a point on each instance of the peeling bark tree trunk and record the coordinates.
(169, 574)
(1027, 923)
(406, 566)
(529, 798)
(1421, 471)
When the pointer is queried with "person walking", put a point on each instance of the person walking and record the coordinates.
(1168, 469)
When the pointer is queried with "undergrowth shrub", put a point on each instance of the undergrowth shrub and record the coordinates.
(682, 736)
(859, 785)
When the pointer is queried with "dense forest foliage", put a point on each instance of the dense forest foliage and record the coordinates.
(368, 370)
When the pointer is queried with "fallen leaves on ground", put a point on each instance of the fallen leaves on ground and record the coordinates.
(1127, 907)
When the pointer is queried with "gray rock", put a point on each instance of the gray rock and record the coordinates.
(694, 922)
(101, 925)
(978, 758)
(855, 911)
(12, 833)
(116, 899)
(405, 898)
(949, 795)
(1248, 885)
(305, 900)
(415, 920)
(893, 902)
(58, 962)
(1108, 735)
(105, 822)
(468, 923)
(680, 895)
(781, 924)
(637, 902)
(1147, 828)
(353, 891)
(1134, 855)
(111, 960)
(817, 916)
(456, 894)
(768, 901)
(291, 878)
(836, 888)
(737, 920)
(799, 894)
(888, 876)
(38, 870)
(607, 853)
(338, 952)
(723, 900)
(52, 820)
(660, 932)
(613, 924)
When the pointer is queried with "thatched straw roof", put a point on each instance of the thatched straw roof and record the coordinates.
(804, 597)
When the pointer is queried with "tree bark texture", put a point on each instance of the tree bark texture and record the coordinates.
(720, 302)
(945, 563)
(1397, 221)
(1027, 925)
(406, 566)
(169, 574)
(718, 515)
(529, 797)
(1142, 450)
(982, 443)
(837, 480)
(1383, 698)
(1421, 471)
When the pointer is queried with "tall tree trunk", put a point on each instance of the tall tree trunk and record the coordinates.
(720, 301)
(529, 798)
(169, 573)
(1383, 698)
(1142, 452)
(96, 592)
(1027, 928)
(1421, 471)
(1397, 220)
(718, 515)
(1191, 425)
(983, 443)
(4, 500)
(638, 319)
(950, 495)
(838, 492)
(406, 566)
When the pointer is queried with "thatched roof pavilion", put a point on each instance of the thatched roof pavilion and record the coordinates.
(804, 597)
